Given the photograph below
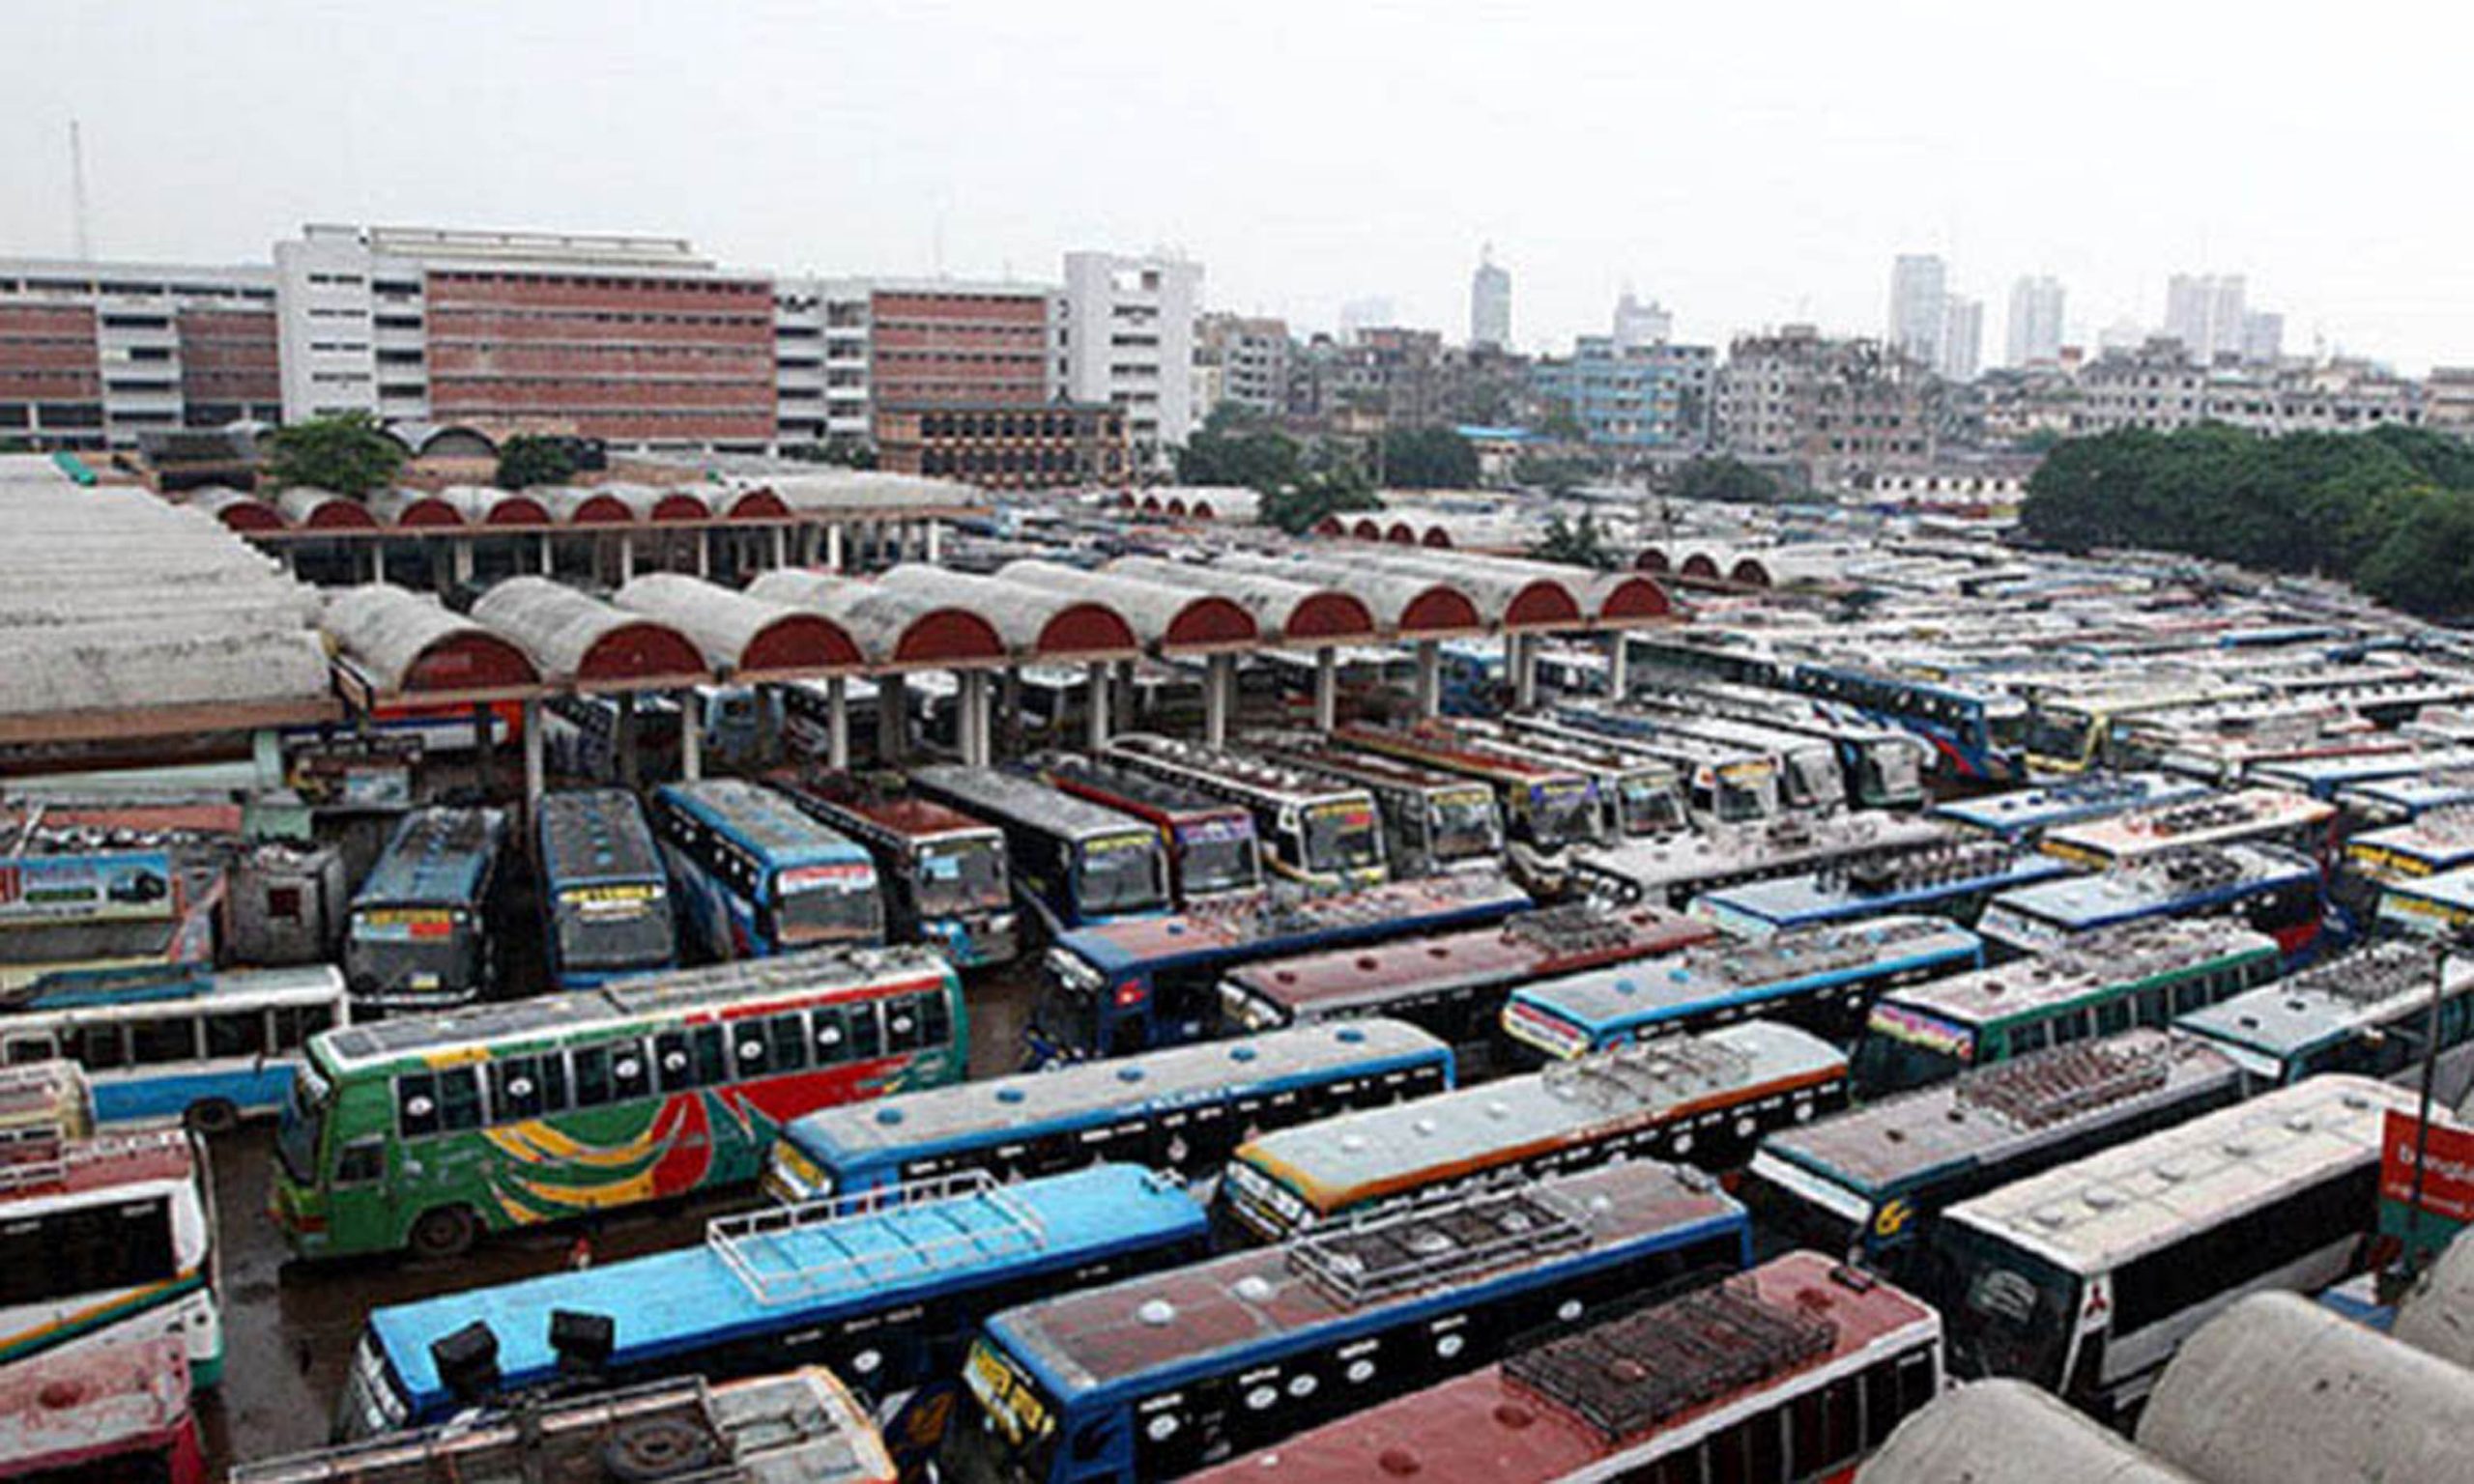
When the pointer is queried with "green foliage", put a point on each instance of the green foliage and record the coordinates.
(1260, 458)
(347, 454)
(1557, 473)
(1726, 479)
(2392, 510)
(1576, 543)
(841, 451)
(1560, 424)
(525, 461)
(1428, 459)
(1297, 508)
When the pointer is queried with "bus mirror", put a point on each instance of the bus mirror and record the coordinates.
(582, 1341)
(468, 1362)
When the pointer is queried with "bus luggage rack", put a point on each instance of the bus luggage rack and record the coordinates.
(1632, 1374)
(2034, 1092)
(32, 1155)
(2206, 815)
(2383, 971)
(1578, 928)
(1880, 874)
(1377, 1256)
(789, 1252)
(2190, 869)
(1650, 1074)
(1802, 953)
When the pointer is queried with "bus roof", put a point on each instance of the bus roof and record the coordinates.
(1554, 1408)
(914, 1123)
(2245, 812)
(435, 855)
(1775, 846)
(1894, 884)
(596, 835)
(40, 1163)
(2190, 880)
(717, 992)
(1144, 791)
(1010, 798)
(904, 814)
(2123, 1202)
(1452, 748)
(1452, 900)
(763, 820)
(1159, 1324)
(1366, 770)
(696, 1296)
(2412, 795)
(1982, 1115)
(2106, 958)
(2441, 840)
(2021, 811)
(2326, 774)
(1602, 1001)
(1374, 1153)
(79, 1404)
(151, 985)
(2330, 1000)
(2451, 889)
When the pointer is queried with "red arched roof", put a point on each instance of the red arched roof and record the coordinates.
(641, 650)
(1634, 597)
(1329, 615)
(1440, 610)
(948, 635)
(1150, 504)
(800, 643)
(1653, 560)
(1211, 622)
(471, 661)
(1202, 511)
(516, 509)
(1331, 526)
(679, 506)
(250, 516)
(1541, 604)
(756, 506)
(1701, 565)
(1750, 573)
(1087, 628)
(1401, 534)
(1437, 537)
(601, 510)
(1177, 507)
(1366, 529)
(337, 513)
(428, 512)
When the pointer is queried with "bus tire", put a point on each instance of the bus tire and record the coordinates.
(211, 1116)
(651, 1449)
(443, 1232)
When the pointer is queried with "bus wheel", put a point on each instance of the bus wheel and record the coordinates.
(213, 1116)
(445, 1232)
(651, 1449)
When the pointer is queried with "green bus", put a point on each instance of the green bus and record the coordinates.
(424, 1134)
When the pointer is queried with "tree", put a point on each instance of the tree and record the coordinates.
(1297, 508)
(1560, 424)
(348, 454)
(1576, 543)
(1728, 479)
(1262, 459)
(1428, 459)
(841, 451)
(1557, 473)
(526, 460)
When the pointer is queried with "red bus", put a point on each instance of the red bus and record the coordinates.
(109, 1412)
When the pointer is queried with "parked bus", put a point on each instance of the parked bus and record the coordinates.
(2268, 816)
(2437, 843)
(1074, 863)
(112, 1412)
(1133, 985)
(1977, 735)
(208, 1049)
(419, 935)
(1723, 783)
(1673, 871)
(1639, 795)
(2390, 801)
(1212, 852)
(2327, 777)
(815, 1284)
(2025, 815)
(1454, 985)
(1806, 768)
(756, 876)
(1869, 1183)
(2274, 891)
(1548, 808)
(2440, 904)
(427, 1134)
(1156, 1377)
(2101, 983)
(1699, 1100)
(807, 720)
(603, 889)
(1799, 1364)
(2084, 1279)
(1315, 831)
(103, 1238)
(1881, 768)
(1954, 881)
(1181, 1111)
(1824, 979)
(2369, 1012)
(2068, 729)
(942, 873)
(580, 735)
(1432, 821)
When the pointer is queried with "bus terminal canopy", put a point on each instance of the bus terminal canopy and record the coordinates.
(1037, 623)
(1288, 613)
(585, 642)
(392, 645)
(744, 636)
(1176, 620)
(1405, 605)
(896, 629)
(1536, 595)
(305, 508)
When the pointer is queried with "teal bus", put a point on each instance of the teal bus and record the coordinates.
(757, 876)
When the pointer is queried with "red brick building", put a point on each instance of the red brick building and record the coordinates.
(980, 344)
(92, 353)
(1002, 446)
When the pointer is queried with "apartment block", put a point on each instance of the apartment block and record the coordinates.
(1006, 445)
(1841, 410)
(92, 355)
(1241, 359)
(1638, 397)
(1130, 343)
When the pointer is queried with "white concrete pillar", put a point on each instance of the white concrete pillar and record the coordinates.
(463, 559)
(703, 539)
(833, 547)
(893, 718)
(544, 552)
(934, 543)
(1124, 711)
(291, 559)
(691, 735)
(837, 724)
(1523, 655)
(1619, 665)
(626, 557)
(1219, 697)
(781, 547)
(976, 745)
(1095, 735)
(532, 769)
(1327, 688)
(1430, 693)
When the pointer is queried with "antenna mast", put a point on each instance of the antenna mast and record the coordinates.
(77, 194)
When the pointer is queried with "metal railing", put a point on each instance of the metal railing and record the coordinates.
(789, 1252)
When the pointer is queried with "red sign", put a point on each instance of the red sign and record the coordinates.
(2448, 1179)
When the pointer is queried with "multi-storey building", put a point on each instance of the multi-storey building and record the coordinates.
(1647, 396)
(1241, 359)
(1840, 412)
(1130, 343)
(2035, 321)
(1006, 445)
(2160, 388)
(821, 361)
(1919, 294)
(92, 353)
(1490, 304)
(1638, 324)
(2448, 400)
(1962, 338)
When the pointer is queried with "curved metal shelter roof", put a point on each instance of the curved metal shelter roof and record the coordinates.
(582, 506)
(497, 509)
(897, 630)
(749, 638)
(574, 638)
(1037, 622)
(1405, 605)
(658, 505)
(1177, 621)
(1288, 613)
(1542, 594)
(756, 503)
(410, 509)
(307, 508)
(1515, 602)
(392, 643)
(243, 513)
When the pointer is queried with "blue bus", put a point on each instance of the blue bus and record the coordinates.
(756, 876)
(2023, 814)
(1074, 863)
(884, 1290)
(1158, 1375)
(2324, 778)
(1979, 735)
(2276, 891)
(1823, 979)
(1182, 1111)
(2401, 800)
(1954, 882)
(419, 934)
(1130, 986)
(605, 897)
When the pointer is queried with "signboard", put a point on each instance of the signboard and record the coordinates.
(117, 885)
(2448, 1179)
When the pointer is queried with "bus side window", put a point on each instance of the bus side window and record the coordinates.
(515, 1088)
(2113, 1015)
(712, 1056)
(2030, 1037)
(416, 1103)
(632, 1076)
(935, 1019)
(1824, 1425)
(750, 1052)
(24, 1050)
(832, 1038)
(362, 1161)
(902, 1023)
(592, 1077)
(2069, 1027)
(99, 1047)
(234, 1033)
(789, 1035)
(867, 1041)
(677, 1067)
(155, 1042)
(2193, 994)
(459, 1099)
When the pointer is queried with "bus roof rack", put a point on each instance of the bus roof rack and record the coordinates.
(2034, 1092)
(1626, 1376)
(784, 1253)
(1376, 1256)
(1651, 1073)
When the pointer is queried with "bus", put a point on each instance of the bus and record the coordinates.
(426, 1133)
(1212, 852)
(1156, 1377)
(103, 1238)
(2369, 1014)
(603, 890)
(2101, 983)
(206, 1049)
(1977, 735)
(1312, 830)
(2439, 842)
(1548, 808)
(2270, 817)
(1673, 871)
(2084, 1279)
(419, 934)
(2024, 814)
(1432, 821)
(802, 1426)
(580, 735)
(1134, 985)
(113, 1413)
(1824, 979)
(1869, 1183)
(2436, 905)
(1799, 1364)
(1074, 863)
(1724, 782)
(1700, 1099)
(942, 873)
(1809, 780)
(2277, 891)
(2327, 777)
(1953, 881)
(1454, 985)
(807, 720)
(884, 1289)
(2399, 800)
(1882, 767)
(757, 877)
(2068, 729)
(1639, 795)
(1181, 1111)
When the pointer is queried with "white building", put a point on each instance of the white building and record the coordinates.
(2035, 321)
(1129, 342)
(1637, 324)
(1962, 338)
(1491, 303)
(2263, 336)
(821, 357)
(93, 353)
(1919, 294)
(2204, 312)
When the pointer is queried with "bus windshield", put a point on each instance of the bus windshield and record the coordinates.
(2009, 1312)
(1905, 1047)
(1895, 771)
(961, 876)
(1464, 824)
(821, 904)
(1006, 1428)
(1560, 813)
(1120, 873)
(614, 928)
(2006, 726)
(418, 949)
(2058, 734)
(1340, 834)
(1216, 855)
(1651, 806)
(305, 1120)
(1746, 792)
(1813, 779)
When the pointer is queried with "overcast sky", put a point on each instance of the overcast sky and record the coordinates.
(1748, 164)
